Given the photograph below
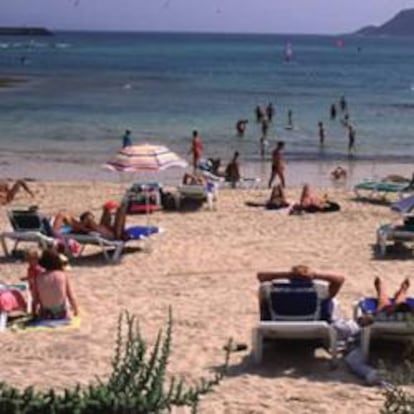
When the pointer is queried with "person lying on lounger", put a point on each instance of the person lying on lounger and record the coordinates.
(386, 306)
(53, 289)
(7, 192)
(277, 200)
(108, 226)
(311, 203)
(304, 273)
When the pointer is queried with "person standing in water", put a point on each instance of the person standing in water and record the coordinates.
(278, 165)
(321, 133)
(343, 104)
(351, 139)
(126, 139)
(290, 119)
(270, 111)
(196, 148)
(333, 112)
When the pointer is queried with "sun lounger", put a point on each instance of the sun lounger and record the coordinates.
(293, 312)
(380, 189)
(28, 226)
(197, 192)
(393, 233)
(396, 326)
(111, 249)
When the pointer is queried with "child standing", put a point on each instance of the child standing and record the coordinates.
(33, 271)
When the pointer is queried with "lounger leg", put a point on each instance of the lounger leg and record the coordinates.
(365, 341)
(4, 245)
(257, 345)
(3, 321)
(382, 243)
(117, 253)
(333, 346)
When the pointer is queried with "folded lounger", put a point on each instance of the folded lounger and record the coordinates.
(28, 226)
(13, 297)
(106, 245)
(293, 311)
(395, 326)
(375, 188)
(143, 197)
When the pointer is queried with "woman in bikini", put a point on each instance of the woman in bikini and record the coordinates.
(53, 289)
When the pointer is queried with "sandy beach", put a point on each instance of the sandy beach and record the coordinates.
(205, 266)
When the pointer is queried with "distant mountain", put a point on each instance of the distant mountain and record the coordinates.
(400, 25)
(24, 31)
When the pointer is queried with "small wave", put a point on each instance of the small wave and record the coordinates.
(4, 45)
(62, 45)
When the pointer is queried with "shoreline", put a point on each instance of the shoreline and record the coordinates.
(315, 173)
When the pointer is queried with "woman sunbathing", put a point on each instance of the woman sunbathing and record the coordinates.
(194, 179)
(8, 193)
(109, 227)
(276, 201)
(311, 203)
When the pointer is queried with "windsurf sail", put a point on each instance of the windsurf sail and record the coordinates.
(288, 52)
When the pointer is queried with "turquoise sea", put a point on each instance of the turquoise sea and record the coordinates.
(85, 89)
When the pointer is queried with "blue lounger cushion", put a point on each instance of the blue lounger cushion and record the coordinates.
(369, 305)
(141, 232)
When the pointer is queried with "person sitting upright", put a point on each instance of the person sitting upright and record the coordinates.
(53, 289)
(7, 193)
(232, 173)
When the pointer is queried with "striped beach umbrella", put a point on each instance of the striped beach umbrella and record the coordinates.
(145, 157)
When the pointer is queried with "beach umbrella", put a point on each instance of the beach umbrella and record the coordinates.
(145, 157)
(404, 206)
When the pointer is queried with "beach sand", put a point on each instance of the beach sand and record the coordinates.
(205, 266)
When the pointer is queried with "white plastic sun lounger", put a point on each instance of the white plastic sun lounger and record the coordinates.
(302, 323)
(395, 327)
(388, 232)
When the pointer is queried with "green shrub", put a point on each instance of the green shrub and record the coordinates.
(136, 385)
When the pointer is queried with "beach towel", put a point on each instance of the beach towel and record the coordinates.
(47, 325)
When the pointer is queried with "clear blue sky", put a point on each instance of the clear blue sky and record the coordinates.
(274, 16)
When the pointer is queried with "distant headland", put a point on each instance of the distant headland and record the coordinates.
(24, 31)
(402, 24)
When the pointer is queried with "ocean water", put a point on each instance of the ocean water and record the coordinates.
(84, 89)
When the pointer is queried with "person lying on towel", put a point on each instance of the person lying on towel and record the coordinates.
(277, 200)
(7, 192)
(53, 289)
(311, 203)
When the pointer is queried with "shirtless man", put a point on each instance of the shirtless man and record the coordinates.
(278, 165)
(7, 193)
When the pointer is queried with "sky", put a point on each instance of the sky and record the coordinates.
(243, 16)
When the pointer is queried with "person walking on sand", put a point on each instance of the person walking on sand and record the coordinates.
(321, 133)
(278, 165)
(126, 139)
(196, 148)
